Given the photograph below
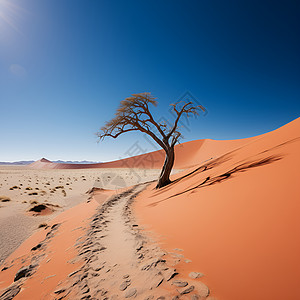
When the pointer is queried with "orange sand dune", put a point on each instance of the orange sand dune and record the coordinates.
(56, 262)
(236, 216)
(187, 154)
(234, 212)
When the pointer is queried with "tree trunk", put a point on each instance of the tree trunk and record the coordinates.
(164, 178)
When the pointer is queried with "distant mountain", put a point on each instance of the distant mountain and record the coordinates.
(27, 162)
(22, 162)
(75, 162)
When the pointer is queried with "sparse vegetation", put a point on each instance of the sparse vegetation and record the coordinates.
(4, 199)
(43, 225)
(38, 208)
(14, 187)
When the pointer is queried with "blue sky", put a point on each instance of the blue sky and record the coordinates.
(66, 64)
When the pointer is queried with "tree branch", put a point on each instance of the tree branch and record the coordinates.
(134, 114)
(102, 136)
(179, 113)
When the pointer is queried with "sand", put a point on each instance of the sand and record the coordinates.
(96, 250)
(187, 155)
(59, 190)
(236, 216)
(226, 228)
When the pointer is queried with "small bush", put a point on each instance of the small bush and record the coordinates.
(43, 225)
(14, 187)
(4, 199)
(28, 188)
(38, 208)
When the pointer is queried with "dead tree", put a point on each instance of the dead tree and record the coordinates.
(133, 114)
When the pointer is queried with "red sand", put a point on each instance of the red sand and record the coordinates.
(197, 152)
(237, 218)
(242, 232)
(55, 266)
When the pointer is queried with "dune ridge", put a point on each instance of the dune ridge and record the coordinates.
(236, 216)
(187, 155)
(227, 227)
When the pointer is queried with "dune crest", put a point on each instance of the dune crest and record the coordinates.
(227, 227)
(235, 215)
(187, 155)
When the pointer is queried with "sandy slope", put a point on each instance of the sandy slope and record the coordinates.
(232, 215)
(59, 190)
(96, 250)
(236, 216)
(187, 154)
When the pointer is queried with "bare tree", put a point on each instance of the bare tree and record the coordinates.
(133, 114)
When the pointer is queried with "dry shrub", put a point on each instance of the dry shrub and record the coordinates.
(14, 187)
(43, 225)
(4, 199)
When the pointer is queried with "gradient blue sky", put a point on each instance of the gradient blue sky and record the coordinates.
(66, 64)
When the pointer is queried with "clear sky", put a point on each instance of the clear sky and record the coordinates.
(66, 64)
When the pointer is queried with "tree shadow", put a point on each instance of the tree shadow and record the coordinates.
(208, 181)
(226, 157)
(239, 168)
(207, 166)
(282, 144)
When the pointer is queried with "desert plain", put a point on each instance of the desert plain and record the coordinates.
(226, 228)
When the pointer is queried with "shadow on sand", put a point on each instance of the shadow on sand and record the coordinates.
(211, 180)
(251, 162)
(225, 176)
